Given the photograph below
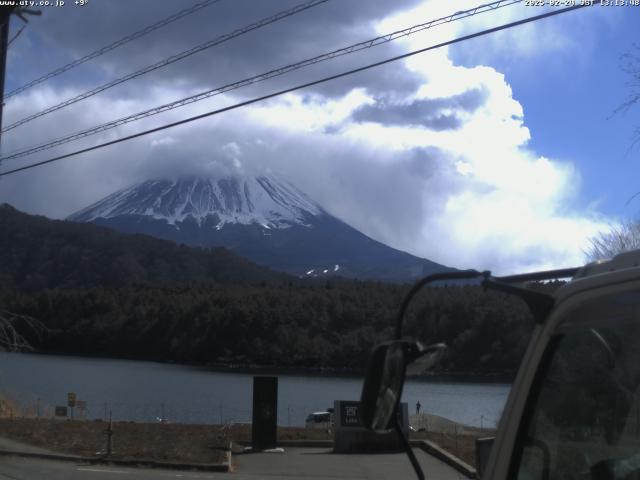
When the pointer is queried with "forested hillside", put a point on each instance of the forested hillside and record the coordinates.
(99, 292)
(333, 325)
(36, 253)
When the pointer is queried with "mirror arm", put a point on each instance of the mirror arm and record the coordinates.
(407, 448)
(462, 275)
(540, 304)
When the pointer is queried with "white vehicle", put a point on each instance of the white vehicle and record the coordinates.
(574, 408)
(322, 420)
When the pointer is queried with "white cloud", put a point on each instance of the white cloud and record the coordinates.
(506, 208)
(156, 142)
(299, 112)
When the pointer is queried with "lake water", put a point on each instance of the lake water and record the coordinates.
(146, 391)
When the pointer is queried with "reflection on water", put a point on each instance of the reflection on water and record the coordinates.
(147, 391)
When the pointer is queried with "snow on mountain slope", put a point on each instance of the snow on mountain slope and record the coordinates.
(264, 219)
(266, 200)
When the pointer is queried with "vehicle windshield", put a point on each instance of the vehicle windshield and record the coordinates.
(211, 211)
(585, 417)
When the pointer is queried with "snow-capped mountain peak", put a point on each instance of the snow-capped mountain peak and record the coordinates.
(262, 218)
(264, 200)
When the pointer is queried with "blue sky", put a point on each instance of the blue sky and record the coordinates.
(570, 93)
(497, 153)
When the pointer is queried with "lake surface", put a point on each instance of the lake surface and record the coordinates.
(147, 391)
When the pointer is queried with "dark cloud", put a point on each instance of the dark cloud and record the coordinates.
(385, 199)
(71, 32)
(414, 114)
(398, 197)
(427, 162)
(428, 113)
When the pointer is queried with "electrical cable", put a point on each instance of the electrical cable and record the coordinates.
(258, 78)
(168, 61)
(16, 35)
(298, 87)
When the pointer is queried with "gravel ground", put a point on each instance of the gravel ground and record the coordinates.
(143, 441)
(182, 443)
(462, 445)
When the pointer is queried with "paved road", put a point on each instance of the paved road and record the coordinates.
(322, 464)
(16, 468)
(315, 464)
(12, 445)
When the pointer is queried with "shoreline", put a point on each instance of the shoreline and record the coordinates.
(448, 377)
(345, 372)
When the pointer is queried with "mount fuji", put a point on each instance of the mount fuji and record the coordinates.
(263, 218)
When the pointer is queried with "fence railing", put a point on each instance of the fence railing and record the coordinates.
(211, 412)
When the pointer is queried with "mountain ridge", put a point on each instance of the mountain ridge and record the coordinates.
(263, 218)
(37, 252)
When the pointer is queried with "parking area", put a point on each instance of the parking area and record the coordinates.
(322, 463)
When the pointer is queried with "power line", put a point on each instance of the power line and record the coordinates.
(170, 60)
(298, 87)
(16, 35)
(112, 46)
(259, 78)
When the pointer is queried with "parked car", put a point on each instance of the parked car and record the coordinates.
(319, 420)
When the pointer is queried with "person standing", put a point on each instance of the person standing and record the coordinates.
(418, 407)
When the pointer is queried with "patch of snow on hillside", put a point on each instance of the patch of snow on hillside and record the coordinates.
(266, 201)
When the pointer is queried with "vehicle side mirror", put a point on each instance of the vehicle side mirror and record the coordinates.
(385, 376)
(382, 386)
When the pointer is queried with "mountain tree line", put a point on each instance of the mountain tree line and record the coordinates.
(37, 253)
(72, 288)
(331, 325)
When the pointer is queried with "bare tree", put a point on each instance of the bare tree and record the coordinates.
(622, 238)
(625, 237)
(630, 64)
(11, 326)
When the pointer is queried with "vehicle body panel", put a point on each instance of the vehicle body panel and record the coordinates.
(621, 275)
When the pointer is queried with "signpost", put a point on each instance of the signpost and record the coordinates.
(81, 405)
(71, 402)
(351, 436)
(350, 414)
(265, 413)
(61, 411)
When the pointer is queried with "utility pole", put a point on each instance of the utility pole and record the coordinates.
(5, 16)
(5, 20)
(109, 432)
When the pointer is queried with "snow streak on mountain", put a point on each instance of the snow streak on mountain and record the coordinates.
(265, 200)
(264, 219)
